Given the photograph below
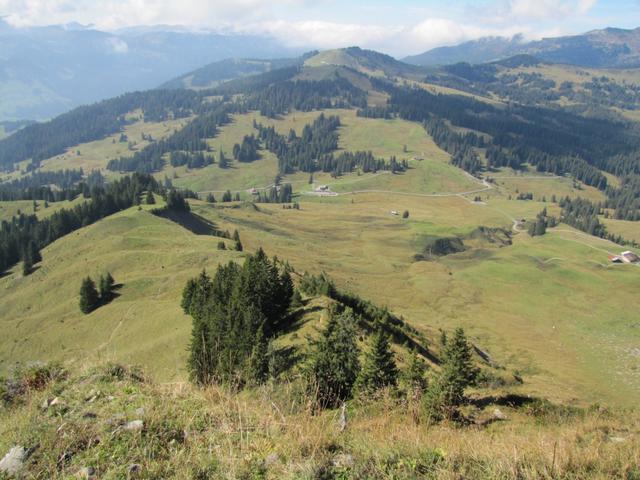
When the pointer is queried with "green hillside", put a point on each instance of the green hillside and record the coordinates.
(437, 262)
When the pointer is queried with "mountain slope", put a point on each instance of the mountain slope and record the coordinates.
(218, 72)
(45, 71)
(608, 48)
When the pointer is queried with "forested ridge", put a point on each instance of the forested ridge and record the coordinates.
(24, 230)
(44, 140)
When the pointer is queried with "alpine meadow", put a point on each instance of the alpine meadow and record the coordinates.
(299, 259)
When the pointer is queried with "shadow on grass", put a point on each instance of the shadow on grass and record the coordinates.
(509, 400)
(191, 221)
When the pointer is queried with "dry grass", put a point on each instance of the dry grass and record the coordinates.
(270, 433)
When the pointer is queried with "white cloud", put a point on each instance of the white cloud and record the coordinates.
(537, 10)
(310, 23)
(117, 45)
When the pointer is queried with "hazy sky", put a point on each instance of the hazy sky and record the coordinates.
(397, 27)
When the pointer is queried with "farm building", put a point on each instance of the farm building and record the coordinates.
(625, 257)
(629, 257)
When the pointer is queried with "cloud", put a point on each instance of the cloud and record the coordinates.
(311, 23)
(537, 10)
(117, 45)
(111, 14)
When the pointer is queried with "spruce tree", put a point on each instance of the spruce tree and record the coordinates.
(379, 367)
(106, 287)
(150, 199)
(259, 359)
(89, 299)
(334, 364)
(27, 264)
(413, 379)
(456, 374)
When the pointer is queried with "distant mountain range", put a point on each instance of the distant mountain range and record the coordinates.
(45, 71)
(608, 48)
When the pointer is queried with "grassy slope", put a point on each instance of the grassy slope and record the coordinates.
(152, 257)
(269, 433)
(95, 155)
(383, 137)
(628, 230)
(10, 209)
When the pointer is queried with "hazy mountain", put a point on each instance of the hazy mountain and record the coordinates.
(228, 69)
(608, 48)
(45, 71)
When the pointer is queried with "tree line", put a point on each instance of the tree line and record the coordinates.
(84, 124)
(102, 201)
(313, 150)
(190, 140)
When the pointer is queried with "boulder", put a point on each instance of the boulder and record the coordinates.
(134, 426)
(13, 461)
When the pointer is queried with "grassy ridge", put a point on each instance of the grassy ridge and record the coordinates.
(270, 433)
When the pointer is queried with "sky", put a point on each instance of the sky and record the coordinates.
(398, 27)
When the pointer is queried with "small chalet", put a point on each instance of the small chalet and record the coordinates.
(629, 257)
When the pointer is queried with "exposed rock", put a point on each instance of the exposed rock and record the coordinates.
(498, 415)
(13, 461)
(343, 460)
(134, 426)
(86, 473)
(271, 459)
(140, 412)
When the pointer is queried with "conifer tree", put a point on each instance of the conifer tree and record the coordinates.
(379, 367)
(150, 199)
(259, 360)
(334, 363)
(106, 287)
(27, 265)
(456, 374)
(413, 377)
(296, 299)
(89, 298)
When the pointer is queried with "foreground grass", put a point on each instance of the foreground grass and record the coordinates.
(270, 433)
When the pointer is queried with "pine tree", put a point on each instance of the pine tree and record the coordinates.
(334, 363)
(236, 236)
(221, 245)
(456, 374)
(211, 198)
(89, 299)
(413, 378)
(296, 299)
(259, 360)
(27, 265)
(106, 287)
(238, 246)
(379, 367)
(150, 199)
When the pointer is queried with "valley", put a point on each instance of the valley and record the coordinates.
(417, 201)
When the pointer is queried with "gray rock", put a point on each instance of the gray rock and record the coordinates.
(140, 412)
(498, 415)
(134, 426)
(13, 461)
(343, 460)
(271, 459)
(86, 473)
